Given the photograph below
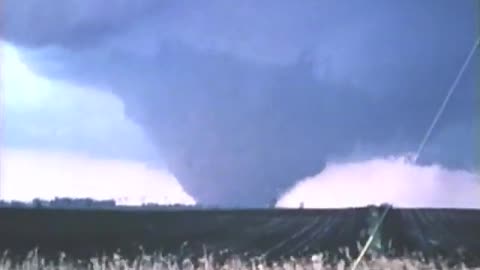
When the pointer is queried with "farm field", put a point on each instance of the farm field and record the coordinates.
(159, 262)
(268, 235)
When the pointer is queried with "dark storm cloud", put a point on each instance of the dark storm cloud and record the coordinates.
(244, 98)
(72, 23)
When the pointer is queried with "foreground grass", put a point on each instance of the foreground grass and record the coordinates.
(160, 262)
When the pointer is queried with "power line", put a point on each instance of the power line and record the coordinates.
(422, 143)
(445, 101)
(280, 244)
(370, 239)
(415, 158)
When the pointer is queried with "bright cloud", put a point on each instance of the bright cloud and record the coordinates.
(26, 175)
(385, 180)
(61, 140)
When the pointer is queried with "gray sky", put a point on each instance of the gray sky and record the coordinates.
(60, 140)
(240, 100)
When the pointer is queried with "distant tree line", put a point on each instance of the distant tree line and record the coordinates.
(86, 203)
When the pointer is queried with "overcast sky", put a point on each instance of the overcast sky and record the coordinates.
(240, 100)
(62, 140)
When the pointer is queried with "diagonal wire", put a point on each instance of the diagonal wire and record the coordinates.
(304, 229)
(415, 158)
(370, 239)
(423, 142)
(314, 235)
(445, 101)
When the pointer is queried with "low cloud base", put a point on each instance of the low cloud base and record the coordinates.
(28, 174)
(393, 180)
